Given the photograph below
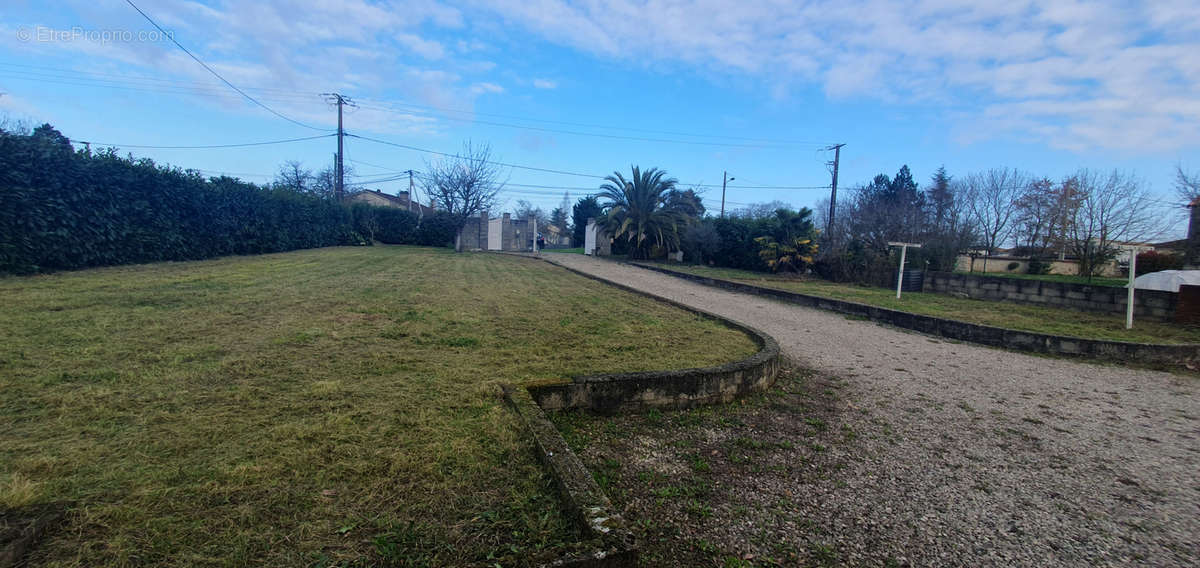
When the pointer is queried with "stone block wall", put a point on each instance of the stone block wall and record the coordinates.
(1154, 304)
(475, 233)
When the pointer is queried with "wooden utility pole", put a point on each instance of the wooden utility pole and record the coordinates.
(725, 179)
(837, 157)
(411, 194)
(339, 182)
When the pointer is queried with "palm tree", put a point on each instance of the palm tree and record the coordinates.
(637, 210)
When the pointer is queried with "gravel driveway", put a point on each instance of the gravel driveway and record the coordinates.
(970, 455)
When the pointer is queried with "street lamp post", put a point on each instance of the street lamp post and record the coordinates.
(725, 179)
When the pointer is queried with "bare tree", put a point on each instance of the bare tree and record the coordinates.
(760, 210)
(1111, 209)
(18, 126)
(991, 199)
(324, 182)
(1187, 184)
(464, 184)
(527, 210)
(1042, 212)
(292, 175)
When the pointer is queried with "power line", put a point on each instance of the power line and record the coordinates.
(579, 174)
(591, 134)
(609, 127)
(171, 37)
(241, 145)
(162, 85)
(435, 152)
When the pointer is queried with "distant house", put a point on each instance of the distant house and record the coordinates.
(400, 200)
(555, 236)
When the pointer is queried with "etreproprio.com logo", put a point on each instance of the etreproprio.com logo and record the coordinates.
(78, 33)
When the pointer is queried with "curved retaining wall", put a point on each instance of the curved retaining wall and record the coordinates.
(1120, 351)
(671, 389)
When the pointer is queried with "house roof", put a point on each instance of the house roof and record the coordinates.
(393, 198)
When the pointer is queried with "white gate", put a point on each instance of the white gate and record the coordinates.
(495, 234)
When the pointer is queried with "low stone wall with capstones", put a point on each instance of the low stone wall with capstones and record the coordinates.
(1153, 304)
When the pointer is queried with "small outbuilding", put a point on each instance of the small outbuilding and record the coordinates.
(1167, 280)
(596, 241)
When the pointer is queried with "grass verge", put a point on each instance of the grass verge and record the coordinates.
(328, 407)
(1040, 319)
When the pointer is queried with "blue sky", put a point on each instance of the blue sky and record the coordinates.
(752, 87)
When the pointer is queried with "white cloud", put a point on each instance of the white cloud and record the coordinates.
(485, 88)
(371, 48)
(545, 84)
(1076, 74)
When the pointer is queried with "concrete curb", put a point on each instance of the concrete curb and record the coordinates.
(607, 537)
(1153, 354)
(682, 388)
(608, 540)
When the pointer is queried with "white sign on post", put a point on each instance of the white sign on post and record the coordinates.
(1133, 252)
(903, 254)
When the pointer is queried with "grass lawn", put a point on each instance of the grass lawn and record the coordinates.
(576, 250)
(314, 408)
(1068, 278)
(1040, 319)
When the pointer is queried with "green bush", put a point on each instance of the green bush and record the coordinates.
(63, 209)
(736, 241)
(1154, 261)
(1038, 266)
(437, 230)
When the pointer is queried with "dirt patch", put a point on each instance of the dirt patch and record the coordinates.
(20, 530)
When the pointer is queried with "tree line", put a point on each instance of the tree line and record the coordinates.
(1086, 216)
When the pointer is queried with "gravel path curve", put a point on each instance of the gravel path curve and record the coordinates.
(991, 457)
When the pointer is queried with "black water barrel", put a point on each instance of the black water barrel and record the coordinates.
(913, 280)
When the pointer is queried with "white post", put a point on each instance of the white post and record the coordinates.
(1129, 297)
(535, 236)
(903, 255)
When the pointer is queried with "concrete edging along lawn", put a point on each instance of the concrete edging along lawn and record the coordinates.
(671, 389)
(609, 540)
(1118, 351)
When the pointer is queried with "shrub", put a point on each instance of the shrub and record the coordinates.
(1038, 266)
(437, 230)
(1154, 261)
(791, 255)
(1013, 266)
(700, 242)
(396, 226)
(63, 209)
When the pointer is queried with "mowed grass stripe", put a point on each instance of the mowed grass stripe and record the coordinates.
(332, 406)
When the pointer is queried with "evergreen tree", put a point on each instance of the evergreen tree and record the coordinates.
(586, 208)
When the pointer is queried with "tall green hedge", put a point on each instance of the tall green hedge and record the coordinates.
(66, 209)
